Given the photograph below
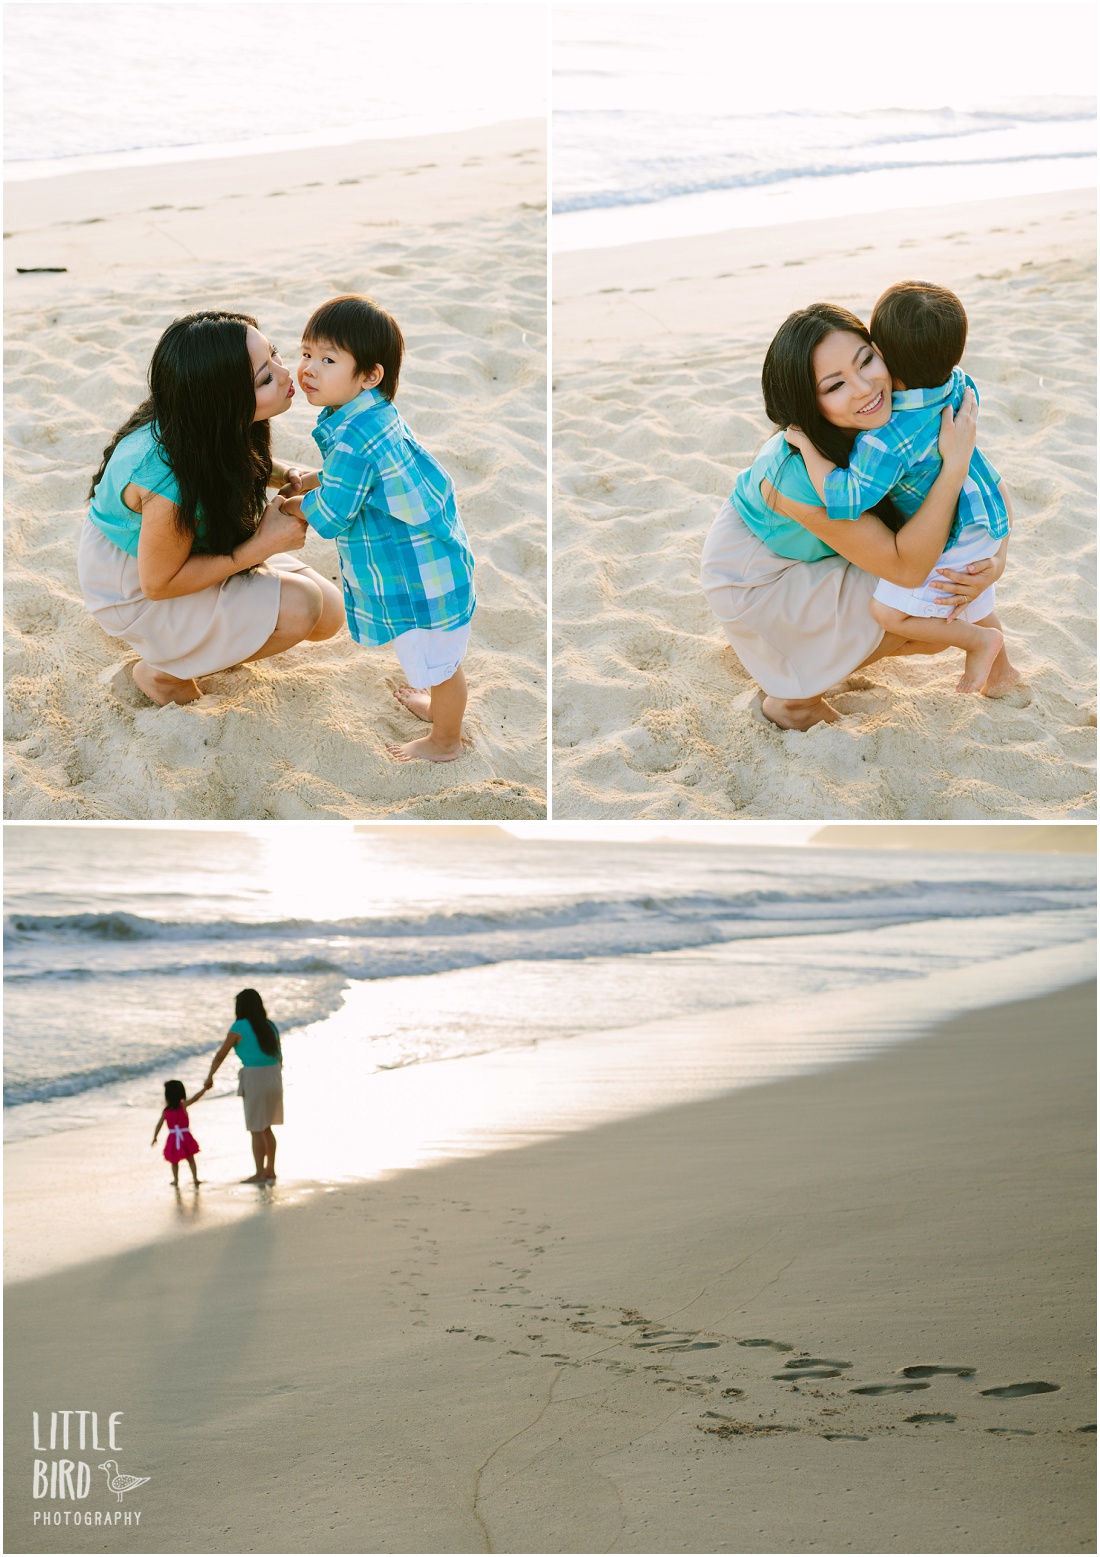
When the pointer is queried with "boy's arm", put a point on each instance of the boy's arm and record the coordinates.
(817, 466)
(874, 468)
(345, 481)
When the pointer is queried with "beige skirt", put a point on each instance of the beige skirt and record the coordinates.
(192, 635)
(261, 1086)
(797, 627)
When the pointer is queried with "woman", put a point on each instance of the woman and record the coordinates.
(791, 587)
(182, 555)
(256, 1040)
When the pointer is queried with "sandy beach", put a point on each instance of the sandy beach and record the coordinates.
(448, 232)
(657, 354)
(742, 1324)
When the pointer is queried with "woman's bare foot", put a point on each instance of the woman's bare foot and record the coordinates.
(979, 660)
(255, 1178)
(416, 701)
(428, 748)
(798, 713)
(162, 688)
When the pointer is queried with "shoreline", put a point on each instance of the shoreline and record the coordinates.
(124, 159)
(563, 1348)
(69, 1190)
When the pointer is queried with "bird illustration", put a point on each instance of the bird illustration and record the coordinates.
(119, 1483)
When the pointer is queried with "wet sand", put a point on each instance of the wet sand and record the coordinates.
(574, 1346)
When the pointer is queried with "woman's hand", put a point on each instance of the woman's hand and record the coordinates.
(963, 587)
(278, 530)
(959, 433)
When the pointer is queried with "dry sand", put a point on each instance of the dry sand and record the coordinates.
(574, 1347)
(449, 233)
(657, 355)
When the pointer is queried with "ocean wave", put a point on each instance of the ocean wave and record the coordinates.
(759, 178)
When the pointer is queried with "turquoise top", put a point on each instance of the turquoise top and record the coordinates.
(783, 467)
(136, 458)
(247, 1046)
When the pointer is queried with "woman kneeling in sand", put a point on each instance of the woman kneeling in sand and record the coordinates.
(791, 587)
(182, 555)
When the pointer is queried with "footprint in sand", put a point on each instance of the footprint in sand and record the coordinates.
(811, 1368)
(672, 1341)
(925, 1371)
(1011, 1391)
(776, 1346)
(855, 1437)
(887, 1389)
(920, 1418)
(1012, 1432)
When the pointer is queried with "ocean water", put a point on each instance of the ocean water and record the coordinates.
(696, 118)
(101, 85)
(124, 946)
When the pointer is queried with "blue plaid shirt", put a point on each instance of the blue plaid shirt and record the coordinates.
(405, 561)
(903, 459)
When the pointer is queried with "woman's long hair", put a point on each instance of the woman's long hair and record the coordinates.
(202, 401)
(250, 1008)
(790, 390)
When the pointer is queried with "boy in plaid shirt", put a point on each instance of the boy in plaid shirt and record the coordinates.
(920, 329)
(405, 563)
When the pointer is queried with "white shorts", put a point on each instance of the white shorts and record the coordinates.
(975, 544)
(431, 655)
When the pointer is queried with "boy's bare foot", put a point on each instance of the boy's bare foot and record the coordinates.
(1002, 678)
(979, 660)
(162, 688)
(427, 748)
(416, 701)
(798, 713)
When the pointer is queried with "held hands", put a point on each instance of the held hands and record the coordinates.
(959, 433)
(299, 479)
(280, 529)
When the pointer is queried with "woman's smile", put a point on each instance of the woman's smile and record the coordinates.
(853, 383)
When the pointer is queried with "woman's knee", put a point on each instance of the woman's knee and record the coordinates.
(331, 619)
(300, 606)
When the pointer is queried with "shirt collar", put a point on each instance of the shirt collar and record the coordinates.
(919, 399)
(333, 417)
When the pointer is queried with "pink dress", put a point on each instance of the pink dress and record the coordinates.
(180, 1144)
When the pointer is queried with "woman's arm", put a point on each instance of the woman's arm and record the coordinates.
(908, 557)
(230, 1043)
(166, 567)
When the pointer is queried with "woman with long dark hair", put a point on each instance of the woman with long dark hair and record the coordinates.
(256, 1039)
(182, 554)
(792, 588)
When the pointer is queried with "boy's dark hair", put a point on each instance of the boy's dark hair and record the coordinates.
(920, 329)
(174, 1093)
(358, 325)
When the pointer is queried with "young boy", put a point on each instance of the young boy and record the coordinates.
(920, 330)
(405, 563)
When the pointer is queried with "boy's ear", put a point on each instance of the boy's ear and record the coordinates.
(372, 379)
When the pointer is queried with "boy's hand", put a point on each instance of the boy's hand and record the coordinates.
(293, 507)
(797, 439)
(299, 479)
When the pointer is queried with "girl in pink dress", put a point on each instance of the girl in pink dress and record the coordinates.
(181, 1145)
